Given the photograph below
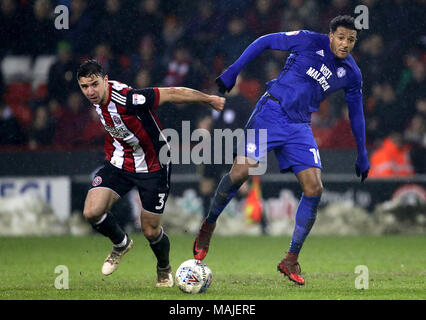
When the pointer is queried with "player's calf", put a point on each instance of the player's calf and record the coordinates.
(160, 246)
(108, 227)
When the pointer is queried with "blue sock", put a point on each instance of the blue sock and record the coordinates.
(305, 218)
(225, 191)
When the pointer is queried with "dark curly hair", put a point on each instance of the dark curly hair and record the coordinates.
(345, 21)
(90, 68)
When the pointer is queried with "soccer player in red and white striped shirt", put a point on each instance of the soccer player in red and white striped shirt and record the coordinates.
(132, 149)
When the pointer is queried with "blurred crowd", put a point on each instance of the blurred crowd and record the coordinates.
(189, 43)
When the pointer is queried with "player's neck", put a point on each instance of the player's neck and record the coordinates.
(106, 97)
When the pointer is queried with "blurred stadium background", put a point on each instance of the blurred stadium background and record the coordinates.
(51, 140)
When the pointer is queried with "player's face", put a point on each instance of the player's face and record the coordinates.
(342, 41)
(95, 88)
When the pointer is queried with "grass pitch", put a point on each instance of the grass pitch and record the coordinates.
(244, 268)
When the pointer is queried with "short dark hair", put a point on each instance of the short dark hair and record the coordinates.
(90, 68)
(345, 21)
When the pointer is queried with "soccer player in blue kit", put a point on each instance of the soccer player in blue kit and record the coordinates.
(318, 65)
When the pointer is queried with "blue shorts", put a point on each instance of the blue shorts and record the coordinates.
(269, 128)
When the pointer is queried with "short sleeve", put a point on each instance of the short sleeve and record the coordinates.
(141, 99)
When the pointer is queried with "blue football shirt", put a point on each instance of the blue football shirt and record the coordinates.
(311, 72)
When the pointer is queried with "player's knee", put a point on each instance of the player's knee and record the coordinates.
(150, 232)
(92, 214)
(240, 170)
(314, 190)
(239, 176)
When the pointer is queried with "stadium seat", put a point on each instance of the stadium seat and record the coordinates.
(18, 93)
(40, 70)
(16, 68)
(40, 92)
(23, 114)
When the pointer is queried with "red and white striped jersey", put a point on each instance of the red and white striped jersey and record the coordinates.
(133, 143)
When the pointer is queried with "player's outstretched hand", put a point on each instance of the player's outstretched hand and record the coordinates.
(362, 174)
(217, 102)
(362, 166)
(222, 87)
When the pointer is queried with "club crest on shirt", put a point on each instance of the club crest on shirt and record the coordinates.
(138, 99)
(341, 72)
(97, 181)
(116, 120)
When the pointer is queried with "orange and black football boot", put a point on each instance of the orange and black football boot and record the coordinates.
(202, 241)
(291, 268)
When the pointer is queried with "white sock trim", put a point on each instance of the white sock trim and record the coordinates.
(101, 219)
(122, 243)
(159, 237)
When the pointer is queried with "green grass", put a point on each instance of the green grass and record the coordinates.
(244, 268)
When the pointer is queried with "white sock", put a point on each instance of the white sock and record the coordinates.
(122, 243)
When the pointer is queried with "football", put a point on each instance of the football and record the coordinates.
(193, 276)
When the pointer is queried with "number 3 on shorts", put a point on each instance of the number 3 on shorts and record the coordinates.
(317, 158)
(161, 201)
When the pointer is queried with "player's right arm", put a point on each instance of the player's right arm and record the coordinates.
(284, 41)
(188, 95)
(139, 100)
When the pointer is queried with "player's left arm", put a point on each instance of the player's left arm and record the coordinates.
(353, 96)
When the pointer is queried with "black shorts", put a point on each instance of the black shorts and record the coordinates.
(153, 187)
